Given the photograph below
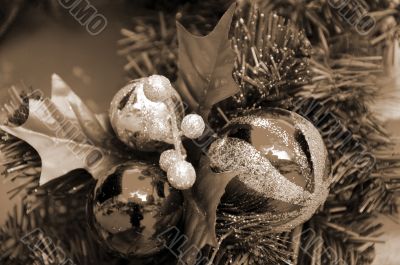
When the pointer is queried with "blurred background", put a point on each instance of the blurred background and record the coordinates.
(40, 44)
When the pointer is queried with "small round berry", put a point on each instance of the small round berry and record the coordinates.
(157, 88)
(169, 158)
(181, 175)
(193, 126)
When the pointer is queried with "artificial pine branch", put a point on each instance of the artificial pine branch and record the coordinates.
(334, 27)
(58, 209)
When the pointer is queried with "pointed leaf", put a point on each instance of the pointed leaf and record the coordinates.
(201, 208)
(67, 135)
(205, 66)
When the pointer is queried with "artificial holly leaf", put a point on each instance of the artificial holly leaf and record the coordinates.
(67, 135)
(205, 66)
(201, 203)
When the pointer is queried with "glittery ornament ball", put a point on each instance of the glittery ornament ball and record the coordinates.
(169, 158)
(141, 123)
(282, 164)
(131, 208)
(158, 88)
(181, 175)
(193, 126)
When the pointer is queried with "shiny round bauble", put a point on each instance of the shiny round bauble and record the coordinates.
(181, 175)
(282, 164)
(141, 123)
(131, 208)
(192, 126)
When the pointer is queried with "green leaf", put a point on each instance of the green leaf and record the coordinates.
(67, 135)
(201, 203)
(206, 65)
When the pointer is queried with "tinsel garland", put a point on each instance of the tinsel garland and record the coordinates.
(318, 82)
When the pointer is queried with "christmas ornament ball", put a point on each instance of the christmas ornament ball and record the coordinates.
(131, 208)
(140, 123)
(282, 164)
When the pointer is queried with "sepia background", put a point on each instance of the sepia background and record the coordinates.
(39, 45)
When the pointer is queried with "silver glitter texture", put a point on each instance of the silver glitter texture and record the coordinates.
(169, 158)
(181, 175)
(256, 171)
(157, 88)
(193, 126)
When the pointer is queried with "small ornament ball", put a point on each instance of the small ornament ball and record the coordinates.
(157, 88)
(181, 175)
(131, 207)
(169, 158)
(193, 126)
